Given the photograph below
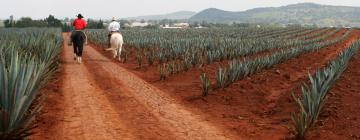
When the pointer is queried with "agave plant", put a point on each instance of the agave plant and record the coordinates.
(313, 97)
(149, 57)
(162, 72)
(25, 65)
(221, 78)
(186, 64)
(20, 79)
(205, 84)
(177, 67)
(139, 58)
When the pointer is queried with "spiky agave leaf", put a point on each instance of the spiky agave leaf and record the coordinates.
(313, 97)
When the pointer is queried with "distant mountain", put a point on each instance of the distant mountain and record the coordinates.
(175, 15)
(302, 13)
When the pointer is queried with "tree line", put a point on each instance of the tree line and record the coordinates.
(50, 21)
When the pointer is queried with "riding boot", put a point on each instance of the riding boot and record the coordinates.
(109, 39)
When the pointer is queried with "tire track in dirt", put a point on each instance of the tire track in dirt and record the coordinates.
(141, 122)
(182, 123)
(87, 112)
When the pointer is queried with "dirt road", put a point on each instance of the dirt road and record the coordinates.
(101, 100)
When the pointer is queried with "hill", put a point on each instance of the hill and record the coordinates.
(302, 13)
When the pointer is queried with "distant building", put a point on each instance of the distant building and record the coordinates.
(127, 25)
(182, 25)
(2, 23)
(167, 26)
(176, 26)
(139, 24)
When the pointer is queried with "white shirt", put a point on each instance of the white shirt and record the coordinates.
(114, 26)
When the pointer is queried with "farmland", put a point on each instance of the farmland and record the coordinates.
(260, 69)
(212, 83)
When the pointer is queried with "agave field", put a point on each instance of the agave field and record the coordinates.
(209, 83)
(28, 59)
(259, 75)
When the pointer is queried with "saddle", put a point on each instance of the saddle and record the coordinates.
(115, 32)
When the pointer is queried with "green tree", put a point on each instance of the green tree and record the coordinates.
(93, 24)
(123, 22)
(53, 22)
(8, 23)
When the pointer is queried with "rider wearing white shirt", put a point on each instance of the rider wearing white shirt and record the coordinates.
(114, 27)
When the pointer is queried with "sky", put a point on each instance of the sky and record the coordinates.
(105, 9)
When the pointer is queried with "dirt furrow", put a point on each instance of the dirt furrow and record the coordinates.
(86, 112)
(182, 123)
(132, 113)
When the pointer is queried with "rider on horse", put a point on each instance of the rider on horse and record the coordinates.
(114, 27)
(78, 37)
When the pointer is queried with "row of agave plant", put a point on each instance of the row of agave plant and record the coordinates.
(28, 59)
(314, 35)
(217, 55)
(313, 96)
(277, 33)
(293, 33)
(245, 47)
(179, 44)
(151, 37)
(303, 33)
(239, 69)
(310, 39)
(201, 47)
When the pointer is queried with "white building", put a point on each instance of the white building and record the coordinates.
(167, 26)
(176, 26)
(139, 24)
(1, 23)
(182, 25)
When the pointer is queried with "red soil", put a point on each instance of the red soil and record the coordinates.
(101, 100)
(257, 107)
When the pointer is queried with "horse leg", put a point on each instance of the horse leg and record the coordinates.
(114, 53)
(80, 51)
(75, 50)
(119, 52)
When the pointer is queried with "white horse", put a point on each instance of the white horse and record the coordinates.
(116, 43)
